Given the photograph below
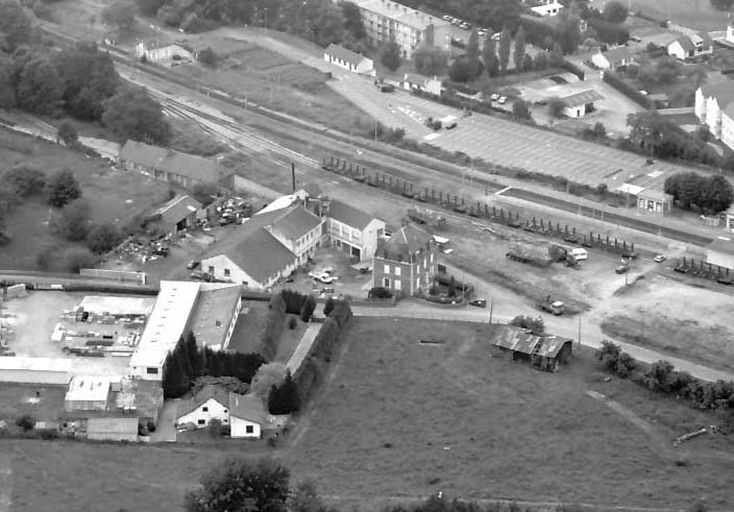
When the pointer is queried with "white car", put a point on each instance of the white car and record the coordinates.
(494, 97)
(446, 17)
(323, 277)
(502, 100)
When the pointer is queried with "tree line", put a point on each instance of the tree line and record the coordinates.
(79, 81)
(187, 362)
(693, 191)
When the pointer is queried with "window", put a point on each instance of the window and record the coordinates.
(249, 429)
(386, 269)
(201, 422)
(418, 283)
(205, 409)
(226, 272)
(211, 269)
(397, 270)
(397, 285)
(386, 283)
(225, 412)
(431, 257)
(151, 371)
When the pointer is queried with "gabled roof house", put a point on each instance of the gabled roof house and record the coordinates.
(349, 60)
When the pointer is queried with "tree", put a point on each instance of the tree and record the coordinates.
(62, 188)
(67, 133)
(208, 57)
(541, 61)
(284, 399)
(519, 55)
(194, 355)
(120, 14)
(24, 180)
(527, 62)
(353, 23)
(614, 12)
(133, 114)
(103, 238)
(149, 7)
(40, 88)
(15, 26)
(520, 110)
(75, 258)
(489, 56)
(497, 13)
(73, 221)
(304, 498)
(328, 305)
(430, 61)
(26, 422)
(462, 70)
(504, 50)
(268, 375)
(536, 325)
(555, 58)
(238, 485)
(568, 34)
(205, 192)
(390, 57)
(556, 106)
(309, 306)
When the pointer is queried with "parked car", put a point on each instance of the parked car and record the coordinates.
(494, 97)
(621, 269)
(480, 303)
(660, 258)
(464, 25)
(446, 17)
(481, 32)
(192, 264)
(630, 255)
(502, 100)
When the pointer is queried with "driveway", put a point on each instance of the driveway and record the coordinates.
(165, 431)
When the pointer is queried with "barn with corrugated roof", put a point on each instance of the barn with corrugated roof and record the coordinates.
(546, 353)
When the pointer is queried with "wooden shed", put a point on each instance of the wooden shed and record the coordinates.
(546, 353)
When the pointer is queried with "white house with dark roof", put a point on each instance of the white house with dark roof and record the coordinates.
(689, 46)
(714, 107)
(352, 230)
(349, 60)
(579, 104)
(170, 165)
(613, 59)
(265, 248)
(211, 403)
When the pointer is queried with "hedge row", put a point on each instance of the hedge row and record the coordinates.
(632, 93)
(661, 377)
(274, 325)
(308, 375)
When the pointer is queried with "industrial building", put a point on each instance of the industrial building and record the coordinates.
(87, 393)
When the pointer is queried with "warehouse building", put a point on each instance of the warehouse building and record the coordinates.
(35, 370)
(87, 393)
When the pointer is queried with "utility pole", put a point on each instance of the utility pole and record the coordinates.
(491, 309)
(293, 175)
(579, 331)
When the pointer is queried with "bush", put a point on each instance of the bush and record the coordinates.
(24, 181)
(329, 305)
(205, 193)
(75, 258)
(67, 133)
(26, 422)
(535, 325)
(292, 322)
(208, 57)
(62, 188)
(378, 292)
(103, 238)
(215, 428)
(73, 221)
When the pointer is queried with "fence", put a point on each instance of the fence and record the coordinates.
(474, 209)
(704, 270)
(116, 275)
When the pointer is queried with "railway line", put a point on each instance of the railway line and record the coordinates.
(264, 125)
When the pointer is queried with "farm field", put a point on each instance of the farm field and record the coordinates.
(698, 14)
(272, 80)
(113, 196)
(401, 418)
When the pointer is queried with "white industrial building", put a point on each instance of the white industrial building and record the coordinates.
(87, 393)
(35, 370)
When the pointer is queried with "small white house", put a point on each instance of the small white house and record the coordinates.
(211, 403)
(578, 105)
(247, 416)
(547, 8)
(686, 47)
(613, 59)
(349, 60)
(412, 82)
(162, 53)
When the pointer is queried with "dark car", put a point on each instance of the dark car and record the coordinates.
(480, 303)
(630, 255)
(621, 269)
(192, 264)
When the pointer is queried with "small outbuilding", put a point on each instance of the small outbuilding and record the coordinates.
(112, 429)
(178, 214)
(87, 393)
(546, 353)
(654, 201)
(349, 60)
(613, 59)
(581, 103)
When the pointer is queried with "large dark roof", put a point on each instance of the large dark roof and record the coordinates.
(296, 221)
(403, 245)
(247, 407)
(722, 91)
(618, 54)
(349, 215)
(169, 160)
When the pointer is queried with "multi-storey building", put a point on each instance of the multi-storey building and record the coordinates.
(386, 20)
(407, 263)
(714, 107)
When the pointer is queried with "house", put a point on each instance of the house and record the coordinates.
(613, 59)
(349, 60)
(721, 252)
(654, 201)
(247, 416)
(352, 230)
(385, 20)
(87, 393)
(210, 403)
(543, 352)
(412, 82)
(157, 52)
(179, 214)
(546, 7)
(112, 429)
(689, 46)
(581, 103)
(266, 247)
(169, 165)
(714, 107)
(407, 263)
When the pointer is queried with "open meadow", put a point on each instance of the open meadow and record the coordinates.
(113, 196)
(698, 14)
(403, 418)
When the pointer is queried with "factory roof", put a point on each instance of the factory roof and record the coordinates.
(87, 388)
(213, 314)
(166, 324)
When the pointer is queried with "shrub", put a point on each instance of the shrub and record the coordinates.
(62, 188)
(215, 428)
(208, 57)
(75, 258)
(24, 181)
(329, 305)
(292, 322)
(102, 238)
(26, 422)
(536, 325)
(378, 292)
(309, 306)
(73, 221)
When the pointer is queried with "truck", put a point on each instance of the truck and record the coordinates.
(448, 122)
(531, 254)
(427, 217)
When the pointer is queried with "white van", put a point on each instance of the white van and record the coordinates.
(448, 122)
(579, 254)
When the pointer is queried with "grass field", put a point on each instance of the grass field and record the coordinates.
(272, 80)
(17, 400)
(113, 196)
(698, 14)
(405, 419)
(246, 336)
